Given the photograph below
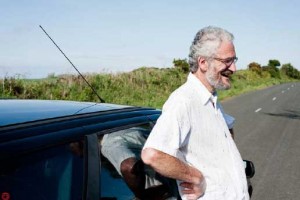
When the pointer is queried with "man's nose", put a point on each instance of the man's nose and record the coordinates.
(233, 67)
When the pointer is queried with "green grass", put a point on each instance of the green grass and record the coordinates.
(245, 81)
(148, 87)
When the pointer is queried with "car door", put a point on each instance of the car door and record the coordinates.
(51, 173)
(49, 160)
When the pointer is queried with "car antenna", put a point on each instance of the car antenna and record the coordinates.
(101, 100)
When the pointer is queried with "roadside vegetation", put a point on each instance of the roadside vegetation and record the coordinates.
(141, 87)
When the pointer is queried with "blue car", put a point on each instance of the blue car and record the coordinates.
(52, 150)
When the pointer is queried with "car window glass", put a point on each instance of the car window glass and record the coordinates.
(52, 174)
(123, 174)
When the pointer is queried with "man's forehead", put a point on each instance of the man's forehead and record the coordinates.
(226, 50)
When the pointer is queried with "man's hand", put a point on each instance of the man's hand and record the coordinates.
(193, 181)
(193, 191)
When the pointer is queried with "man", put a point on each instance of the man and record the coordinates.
(191, 141)
(123, 149)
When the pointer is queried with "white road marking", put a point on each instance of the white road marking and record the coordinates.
(274, 98)
(288, 88)
(292, 85)
(258, 110)
(282, 91)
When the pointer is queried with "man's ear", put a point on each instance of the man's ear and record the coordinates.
(202, 64)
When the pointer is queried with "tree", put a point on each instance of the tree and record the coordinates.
(274, 63)
(290, 71)
(273, 71)
(272, 68)
(255, 67)
(181, 64)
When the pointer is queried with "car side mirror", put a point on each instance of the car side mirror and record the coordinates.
(249, 168)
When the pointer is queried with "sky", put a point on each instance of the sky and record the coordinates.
(122, 35)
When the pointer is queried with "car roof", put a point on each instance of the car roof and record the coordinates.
(13, 111)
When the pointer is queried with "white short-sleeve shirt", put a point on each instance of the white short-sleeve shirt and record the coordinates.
(195, 130)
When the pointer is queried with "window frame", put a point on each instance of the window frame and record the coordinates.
(92, 168)
(119, 128)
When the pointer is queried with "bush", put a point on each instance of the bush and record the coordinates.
(181, 64)
(273, 71)
(255, 67)
(148, 87)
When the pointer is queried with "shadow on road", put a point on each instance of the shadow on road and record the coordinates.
(292, 114)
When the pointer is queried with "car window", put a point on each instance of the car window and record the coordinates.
(123, 174)
(52, 174)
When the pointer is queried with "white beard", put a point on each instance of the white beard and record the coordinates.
(212, 78)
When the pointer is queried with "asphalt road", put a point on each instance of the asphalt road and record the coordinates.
(267, 132)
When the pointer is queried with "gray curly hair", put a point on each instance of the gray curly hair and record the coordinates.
(206, 44)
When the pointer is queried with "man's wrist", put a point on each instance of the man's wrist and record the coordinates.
(196, 175)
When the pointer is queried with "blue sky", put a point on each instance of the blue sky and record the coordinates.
(118, 35)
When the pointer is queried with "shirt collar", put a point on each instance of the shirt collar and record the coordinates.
(202, 90)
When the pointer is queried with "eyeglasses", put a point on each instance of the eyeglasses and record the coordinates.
(227, 61)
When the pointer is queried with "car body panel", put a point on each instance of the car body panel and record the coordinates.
(29, 127)
(57, 125)
(18, 111)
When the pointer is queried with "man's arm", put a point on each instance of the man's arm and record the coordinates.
(193, 184)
